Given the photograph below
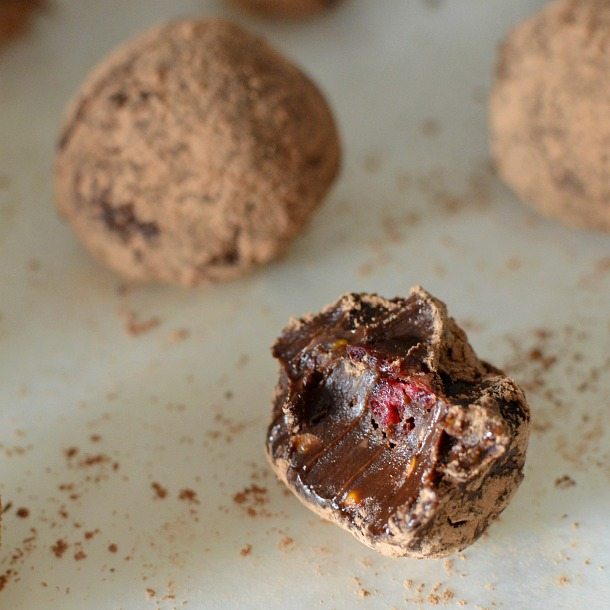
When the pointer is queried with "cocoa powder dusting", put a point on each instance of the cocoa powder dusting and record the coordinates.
(253, 500)
(246, 550)
(160, 491)
(59, 548)
(188, 495)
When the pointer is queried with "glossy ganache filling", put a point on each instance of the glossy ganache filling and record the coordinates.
(364, 429)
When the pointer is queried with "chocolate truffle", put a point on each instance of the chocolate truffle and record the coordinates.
(550, 112)
(386, 423)
(15, 16)
(194, 153)
(285, 8)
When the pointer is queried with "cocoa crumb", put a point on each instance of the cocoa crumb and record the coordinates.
(188, 495)
(360, 590)
(59, 548)
(113, 548)
(70, 452)
(80, 555)
(564, 482)
(286, 544)
(160, 491)
(253, 499)
(23, 513)
(246, 550)
(135, 327)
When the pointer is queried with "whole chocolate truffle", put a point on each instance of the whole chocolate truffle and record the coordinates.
(194, 153)
(385, 422)
(286, 8)
(550, 112)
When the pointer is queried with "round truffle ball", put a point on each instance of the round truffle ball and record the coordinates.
(550, 112)
(292, 9)
(194, 153)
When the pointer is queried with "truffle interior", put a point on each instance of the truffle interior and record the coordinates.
(363, 417)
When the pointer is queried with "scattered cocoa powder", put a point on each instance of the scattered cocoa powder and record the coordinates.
(23, 513)
(286, 544)
(564, 482)
(253, 500)
(246, 550)
(15, 559)
(135, 327)
(360, 590)
(59, 548)
(188, 495)
(160, 491)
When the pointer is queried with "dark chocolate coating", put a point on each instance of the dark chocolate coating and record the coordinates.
(386, 422)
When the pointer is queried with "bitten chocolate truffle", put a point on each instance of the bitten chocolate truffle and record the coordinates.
(194, 153)
(292, 9)
(386, 423)
(550, 112)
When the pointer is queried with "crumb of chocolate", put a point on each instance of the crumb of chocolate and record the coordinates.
(188, 495)
(22, 513)
(286, 544)
(59, 548)
(360, 590)
(80, 555)
(246, 550)
(564, 482)
(113, 548)
(71, 452)
(135, 327)
(160, 491)
(253, 500)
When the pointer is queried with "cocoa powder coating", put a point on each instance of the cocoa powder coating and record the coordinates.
(550, 112)
(194, 153)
